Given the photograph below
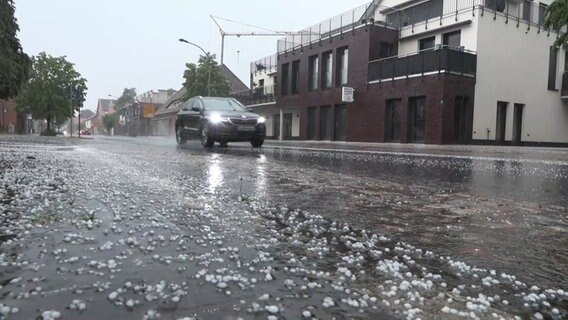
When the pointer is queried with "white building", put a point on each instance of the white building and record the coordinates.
(519, 74)
(519, 94)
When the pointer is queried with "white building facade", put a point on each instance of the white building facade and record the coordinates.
(518, 96)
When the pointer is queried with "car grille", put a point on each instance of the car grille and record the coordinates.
(241, 121)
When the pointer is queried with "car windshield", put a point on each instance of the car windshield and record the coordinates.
(212, 104)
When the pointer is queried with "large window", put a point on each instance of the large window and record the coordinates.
(327, 69)
(386, 50)
(527, 10)
(552, 66)
(313, 70)
(295, 76)
(342, 66)
(285, 78)
(452, 39)
(427, 43)
(541, 12)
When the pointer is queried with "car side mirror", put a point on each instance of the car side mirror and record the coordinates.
(196, 109)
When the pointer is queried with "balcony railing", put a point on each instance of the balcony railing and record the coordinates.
(564, 89)
(267, 64)
(337, 25)
(441, 60)
(257, 95)
(528, 12)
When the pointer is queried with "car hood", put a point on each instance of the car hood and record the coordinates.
(234, 114)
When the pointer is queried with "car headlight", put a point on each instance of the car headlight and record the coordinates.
(261, 120)
(215, 118)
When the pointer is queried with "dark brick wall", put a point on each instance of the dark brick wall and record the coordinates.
(440, 92)
(365, 120)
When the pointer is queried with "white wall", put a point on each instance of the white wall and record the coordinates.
(269, 112)
(512, 66)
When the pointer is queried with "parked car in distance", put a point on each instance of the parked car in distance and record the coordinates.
(86, 132)
(223, 120)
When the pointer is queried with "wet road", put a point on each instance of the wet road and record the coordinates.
(382, 234)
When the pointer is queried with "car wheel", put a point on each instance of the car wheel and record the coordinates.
(223, 144)
(257, 143)
(179, 137)
(206, 138)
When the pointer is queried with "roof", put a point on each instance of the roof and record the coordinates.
(86, 113)
(171, 106)
(234, 82)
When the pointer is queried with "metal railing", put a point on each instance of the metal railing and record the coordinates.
(441, 60)
(257, 95)
(335, 26)
(528, 12)
(266, 64)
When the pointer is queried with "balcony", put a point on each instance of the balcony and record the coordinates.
(442, 60)
(259, 95)
(267, 65)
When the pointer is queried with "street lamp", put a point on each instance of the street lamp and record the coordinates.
(208, 69)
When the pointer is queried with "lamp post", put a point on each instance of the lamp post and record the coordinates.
(208, 69)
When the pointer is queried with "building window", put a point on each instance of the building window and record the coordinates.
(386, 49)
(427, 43)
(452, 39)
(497, 5)
(285, 78)
(342, 66)
(552, 66)
(541, 13)
(295, 76)
(527, 9)
(327, 68)
(314, 72)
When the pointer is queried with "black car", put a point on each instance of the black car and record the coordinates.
(218, 119)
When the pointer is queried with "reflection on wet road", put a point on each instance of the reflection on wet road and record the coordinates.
(495, 213)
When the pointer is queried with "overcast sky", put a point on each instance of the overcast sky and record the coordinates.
(134, 43)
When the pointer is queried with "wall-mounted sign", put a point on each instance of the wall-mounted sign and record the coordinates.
(347, 94)
(149, 110)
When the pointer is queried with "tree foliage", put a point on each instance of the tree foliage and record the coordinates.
(196, 78)
(556, 17)
(53, 89)
(128, 96)
(110, 121)
(14, 63)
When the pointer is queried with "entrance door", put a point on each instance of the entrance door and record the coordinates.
(518, 124)
(417, 113)
(324, 123)
(460, 120)
(287, 126)
(311, 123)
(340, 114)
(276, 125)
(392, 120)
(501, 122)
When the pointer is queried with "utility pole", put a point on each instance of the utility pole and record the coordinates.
(79, 130)
(71, 106)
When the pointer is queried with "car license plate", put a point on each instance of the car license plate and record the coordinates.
(246, 128)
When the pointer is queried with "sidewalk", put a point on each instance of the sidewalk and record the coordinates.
(475, 151)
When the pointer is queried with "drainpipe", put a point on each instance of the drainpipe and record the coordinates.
(281, 137)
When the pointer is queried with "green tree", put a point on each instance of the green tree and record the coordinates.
(14, 63)
(53, 89)
(197, 78)
(110, 121)
(556, 17)
(127, 97)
